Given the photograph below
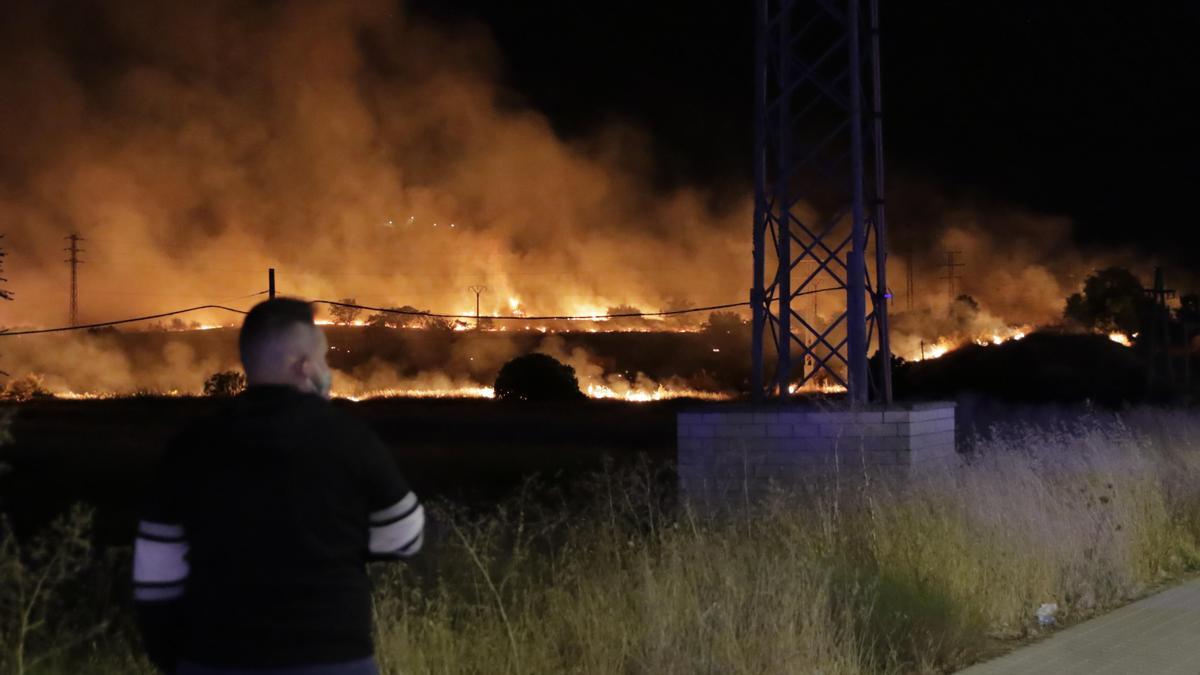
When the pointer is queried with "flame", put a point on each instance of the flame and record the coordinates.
(1121, 339)
(815, 387)
(945, 345)
(456, 392)
(660, 393)
(630, 393)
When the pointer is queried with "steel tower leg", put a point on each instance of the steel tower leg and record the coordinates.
(818, 198)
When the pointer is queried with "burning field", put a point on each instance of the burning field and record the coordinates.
(380, 157)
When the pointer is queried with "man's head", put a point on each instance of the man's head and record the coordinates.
(280, 344)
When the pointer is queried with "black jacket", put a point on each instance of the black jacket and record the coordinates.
(252, 546)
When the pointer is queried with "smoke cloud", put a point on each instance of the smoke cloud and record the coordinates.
(365, 153)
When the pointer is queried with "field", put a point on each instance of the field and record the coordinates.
(595, 566)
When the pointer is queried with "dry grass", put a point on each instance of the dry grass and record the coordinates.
(923, 577)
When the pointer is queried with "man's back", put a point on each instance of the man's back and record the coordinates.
(278, 501)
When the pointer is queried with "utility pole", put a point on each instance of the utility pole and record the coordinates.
(271, 283)
(74, 261)
(5, 294)
(951, 275)
(1160, 329)
(478, 290)
(908, 286)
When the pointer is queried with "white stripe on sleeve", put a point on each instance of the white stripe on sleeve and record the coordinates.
(397, 510)
(159, 559)
(399, 529)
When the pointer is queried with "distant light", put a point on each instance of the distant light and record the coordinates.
(715, 349)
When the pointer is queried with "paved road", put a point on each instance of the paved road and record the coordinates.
(1156, 635)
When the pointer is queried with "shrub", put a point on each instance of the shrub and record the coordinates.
(23, 388)
(225, 383)
(537, 377)
(41, 581)
(345, 315)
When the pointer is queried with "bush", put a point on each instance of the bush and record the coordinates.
(345, 315)
(42, 584)
(537, 377)
(23, 388)
(225, 383)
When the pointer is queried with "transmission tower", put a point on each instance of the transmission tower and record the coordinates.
(819, 185)
(5, 294)
(74, 262)
(478, 290)
(952, 276)
(909, 287)
(1159, 329)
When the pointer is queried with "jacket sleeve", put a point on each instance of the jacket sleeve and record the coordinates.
(396, 521)
(160, 567)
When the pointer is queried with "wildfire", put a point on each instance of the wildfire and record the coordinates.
(331, 322)
(101, 395)
(659, 393)
(632, 394)
(456, 392)
(945, 345)
(1121, 339)
(814, 387)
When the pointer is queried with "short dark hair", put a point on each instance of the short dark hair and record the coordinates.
(270, 318)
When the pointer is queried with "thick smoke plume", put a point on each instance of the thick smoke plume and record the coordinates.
(358, 152)
(365, 153)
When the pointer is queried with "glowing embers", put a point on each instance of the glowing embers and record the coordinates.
(816, 387)
(630, 393)
(401, 392)
(944, 345)
(646, 394)
(101, 395)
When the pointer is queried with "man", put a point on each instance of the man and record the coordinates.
(250, 555)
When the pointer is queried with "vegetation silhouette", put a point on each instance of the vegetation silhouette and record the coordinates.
(1113, 299)
(343, 314)
(225, 383)
(537, 378)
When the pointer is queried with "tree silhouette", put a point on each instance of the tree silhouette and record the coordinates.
(1112, 300)
(537, 377)
(345, 315)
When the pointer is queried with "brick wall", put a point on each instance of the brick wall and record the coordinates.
(747, 448)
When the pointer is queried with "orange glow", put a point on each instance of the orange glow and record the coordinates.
(814, 387)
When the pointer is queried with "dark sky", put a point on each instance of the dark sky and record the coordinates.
(1080, 109)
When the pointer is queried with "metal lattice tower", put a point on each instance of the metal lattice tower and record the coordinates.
(74, 262)
(478, 290)
(819, 212)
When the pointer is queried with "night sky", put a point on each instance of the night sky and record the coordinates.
(1061, 108)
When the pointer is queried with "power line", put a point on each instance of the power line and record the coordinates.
(590, 317)
(385, 310)
(118, 322)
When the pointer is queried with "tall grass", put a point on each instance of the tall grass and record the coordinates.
(870, 576)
